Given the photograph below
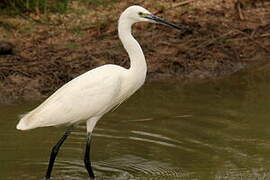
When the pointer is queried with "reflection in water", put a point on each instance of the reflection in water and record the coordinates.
(209, 130)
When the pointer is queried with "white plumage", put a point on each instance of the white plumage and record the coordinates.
(92, 94)
(88, 96)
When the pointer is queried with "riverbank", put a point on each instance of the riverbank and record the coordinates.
(49, 50)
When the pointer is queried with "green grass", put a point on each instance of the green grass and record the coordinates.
(12, 7)
(37, 6)
(28, 29)
(95, 3)
(60, 6)
(71, 45)
(2, 39)
(80, 12)
(75, 29)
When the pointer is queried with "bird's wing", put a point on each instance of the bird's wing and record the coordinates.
(91, 94)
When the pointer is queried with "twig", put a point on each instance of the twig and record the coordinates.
(239, 10)
(265, 35)
(206, 43)
(253, 40)
(243, 38)
(182, 3)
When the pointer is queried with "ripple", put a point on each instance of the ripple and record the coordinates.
(134, 166)
(134, 135)
(141, 120)
(119, 168)
(159, 139)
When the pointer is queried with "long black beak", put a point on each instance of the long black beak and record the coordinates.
(162, 21)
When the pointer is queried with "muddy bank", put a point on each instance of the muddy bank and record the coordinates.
(49, 51)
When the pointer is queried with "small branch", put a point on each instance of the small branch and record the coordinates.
(183, 3)
(253, 40)
(265, 35)
(211, 41)
(239, 10)
(244, 38)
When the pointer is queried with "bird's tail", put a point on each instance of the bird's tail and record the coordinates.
(24, 122)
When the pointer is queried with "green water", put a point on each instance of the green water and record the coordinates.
(209, 130)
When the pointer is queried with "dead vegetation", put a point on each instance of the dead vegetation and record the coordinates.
(52, 49)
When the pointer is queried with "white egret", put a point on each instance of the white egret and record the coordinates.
(89, 96)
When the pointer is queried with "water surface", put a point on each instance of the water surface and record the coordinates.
(204, 130)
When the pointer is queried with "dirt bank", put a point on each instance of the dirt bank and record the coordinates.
(49, 50)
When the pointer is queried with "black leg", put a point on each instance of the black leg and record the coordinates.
(87, 161)
(54, 152)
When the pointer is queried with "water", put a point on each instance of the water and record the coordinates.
(209, 130)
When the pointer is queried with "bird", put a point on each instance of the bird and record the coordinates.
(86, 98)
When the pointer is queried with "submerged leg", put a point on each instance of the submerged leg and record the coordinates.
(55, 150)
(87, 161)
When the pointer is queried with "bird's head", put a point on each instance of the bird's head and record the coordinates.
(139, 14)
(136, 14)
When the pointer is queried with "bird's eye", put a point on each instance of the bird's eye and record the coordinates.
(140, 13)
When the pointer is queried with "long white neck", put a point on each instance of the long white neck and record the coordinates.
(134, 50)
